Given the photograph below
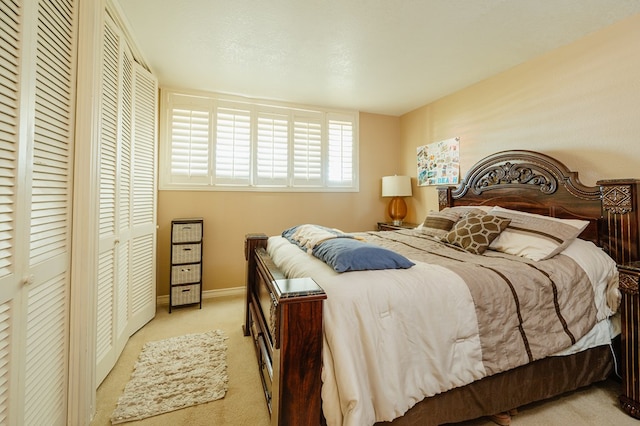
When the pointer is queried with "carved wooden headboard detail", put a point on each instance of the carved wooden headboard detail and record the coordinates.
(534, 182)
(620, 219)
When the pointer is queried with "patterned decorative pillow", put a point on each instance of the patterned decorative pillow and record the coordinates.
(438, 223)
(535, 236)
(474, 232)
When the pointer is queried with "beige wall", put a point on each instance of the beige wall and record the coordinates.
(228, 216)
(579, 104)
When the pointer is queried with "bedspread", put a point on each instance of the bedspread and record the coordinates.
(393, 337)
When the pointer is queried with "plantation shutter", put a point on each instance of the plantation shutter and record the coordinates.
(307, 151)
(340, 153)
(189, 158)
(233, 146)
(272, 151)
(212, 142)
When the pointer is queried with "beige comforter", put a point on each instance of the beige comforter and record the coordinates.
(393, 337)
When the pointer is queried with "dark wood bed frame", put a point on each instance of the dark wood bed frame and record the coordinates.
(284, 316)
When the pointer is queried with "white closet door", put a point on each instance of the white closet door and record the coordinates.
(144, 200)
(123, 203)
(127, 213)
(37, 98)
(11, 22)
(108, 245)
(47, 339)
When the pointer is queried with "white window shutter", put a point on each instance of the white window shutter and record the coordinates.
(340, 152)
(212, 142)
(233, 146)
(190, 140)
(307, 151)
(272, 150)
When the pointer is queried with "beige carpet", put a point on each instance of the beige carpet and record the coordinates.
(244, 403)
(174, 373)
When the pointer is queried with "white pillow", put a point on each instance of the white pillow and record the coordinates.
(602, 272)
(535, 236)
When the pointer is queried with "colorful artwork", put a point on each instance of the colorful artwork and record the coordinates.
(439, 163)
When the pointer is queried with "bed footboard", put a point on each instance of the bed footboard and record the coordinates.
(284, 318)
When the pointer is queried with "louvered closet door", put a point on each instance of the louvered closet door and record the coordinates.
(127, 232)
(144, 202)
(12, 311)
(109, 313)
(36, 136)
(49, 253)
(123, 205)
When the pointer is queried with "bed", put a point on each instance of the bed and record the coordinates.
(322, 345)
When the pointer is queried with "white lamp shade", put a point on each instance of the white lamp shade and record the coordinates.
(396, 186)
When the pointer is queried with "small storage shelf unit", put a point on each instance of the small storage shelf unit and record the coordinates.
(186, 262)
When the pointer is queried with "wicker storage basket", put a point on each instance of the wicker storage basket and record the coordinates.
(184, 274)
(185, 294)
(187, 232)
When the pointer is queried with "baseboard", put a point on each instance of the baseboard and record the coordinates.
(207, 294)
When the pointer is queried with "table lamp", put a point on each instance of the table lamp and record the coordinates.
(397, 187)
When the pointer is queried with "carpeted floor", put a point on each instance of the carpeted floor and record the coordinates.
(244, 403)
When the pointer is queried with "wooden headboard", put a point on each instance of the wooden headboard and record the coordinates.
(534, 182)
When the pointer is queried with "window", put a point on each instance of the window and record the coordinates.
(222, 143)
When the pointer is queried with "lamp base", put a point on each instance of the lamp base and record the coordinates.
(397, 210)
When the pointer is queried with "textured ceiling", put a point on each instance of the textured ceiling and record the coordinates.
(380, 56)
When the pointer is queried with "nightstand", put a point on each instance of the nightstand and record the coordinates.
(389, 226)
(629, 339)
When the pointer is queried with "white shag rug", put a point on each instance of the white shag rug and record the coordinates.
(175, 373)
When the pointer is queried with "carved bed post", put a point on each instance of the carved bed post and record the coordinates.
(620, 233)
(251, 243)
(620, 213)
(444, 196)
